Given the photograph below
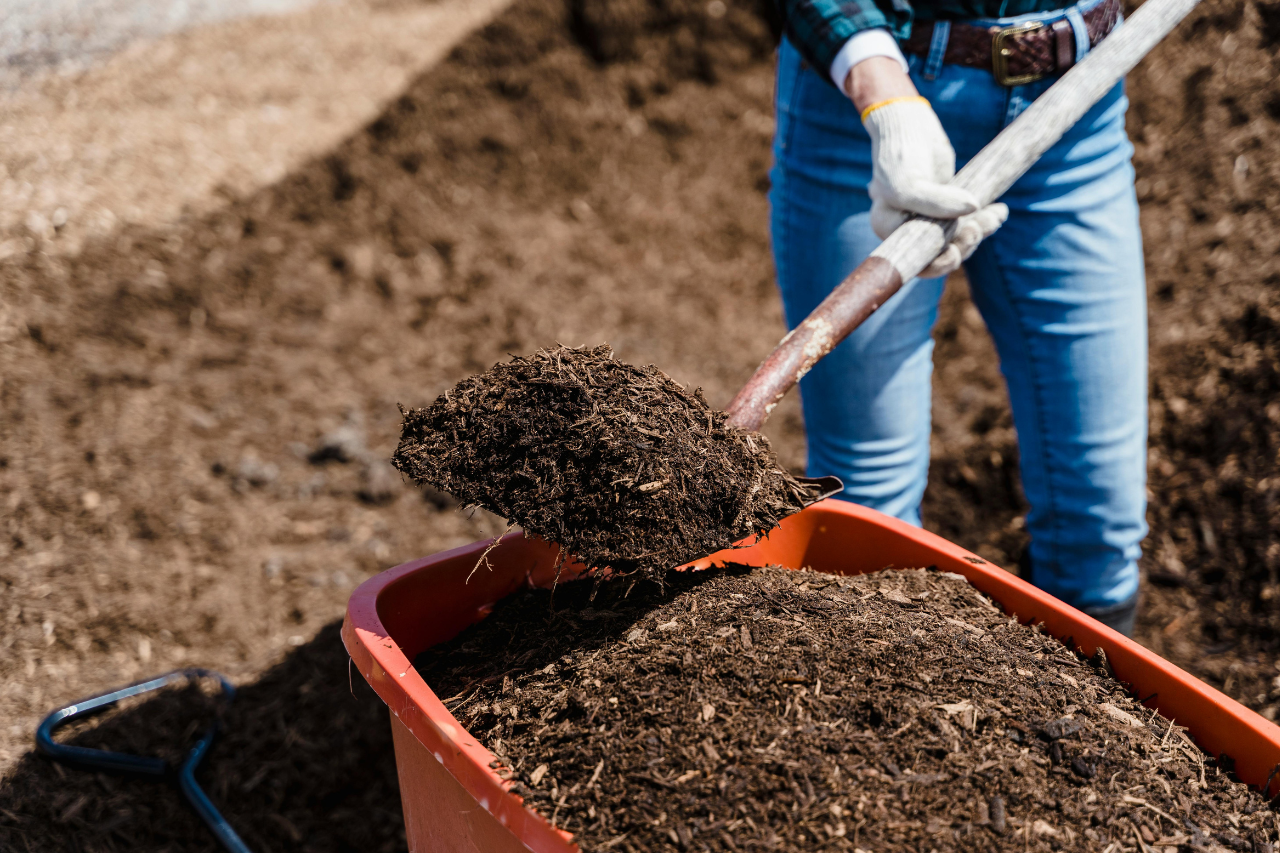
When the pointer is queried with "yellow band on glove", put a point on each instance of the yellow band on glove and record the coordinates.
(878, 104)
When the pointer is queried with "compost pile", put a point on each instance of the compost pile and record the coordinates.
(620, 465)
(752, 708)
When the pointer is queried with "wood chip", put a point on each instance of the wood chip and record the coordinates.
(1118, 714)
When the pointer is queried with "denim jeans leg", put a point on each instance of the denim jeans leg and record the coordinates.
(1061, 287)
(867, 404)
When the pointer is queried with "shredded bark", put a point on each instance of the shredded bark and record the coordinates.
(764, 709)
(619, 465)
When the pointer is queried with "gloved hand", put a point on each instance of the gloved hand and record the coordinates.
(912, 161)
(970, 231)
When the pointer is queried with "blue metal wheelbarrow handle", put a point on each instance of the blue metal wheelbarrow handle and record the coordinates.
(122, 763)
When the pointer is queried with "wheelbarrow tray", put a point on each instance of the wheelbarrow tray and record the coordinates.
(454, 800)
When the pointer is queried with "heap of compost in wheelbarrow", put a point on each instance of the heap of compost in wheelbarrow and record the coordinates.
(792, 711)
(619, 465)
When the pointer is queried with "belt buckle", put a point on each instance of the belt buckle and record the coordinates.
(1000, 55)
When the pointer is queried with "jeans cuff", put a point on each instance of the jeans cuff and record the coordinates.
(1119, 617)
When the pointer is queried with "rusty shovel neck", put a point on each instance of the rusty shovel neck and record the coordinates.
(840, 313)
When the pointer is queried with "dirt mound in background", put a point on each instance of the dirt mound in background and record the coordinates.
(619, 465)
(694, 40)
(1221, 441)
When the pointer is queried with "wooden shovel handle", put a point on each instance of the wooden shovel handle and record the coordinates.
(991, 172)
(840, 313)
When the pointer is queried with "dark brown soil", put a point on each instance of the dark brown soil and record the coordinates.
(619, 465)
(302, 762)
(194, 419)
(749, 709)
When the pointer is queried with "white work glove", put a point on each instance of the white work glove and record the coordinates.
(912, 162)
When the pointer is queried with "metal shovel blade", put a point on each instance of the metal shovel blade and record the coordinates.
(824, 486)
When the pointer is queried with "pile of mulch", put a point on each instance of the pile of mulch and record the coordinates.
(620, 465)
(762, 708)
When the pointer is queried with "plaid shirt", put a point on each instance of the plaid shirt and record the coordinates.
(819, 28)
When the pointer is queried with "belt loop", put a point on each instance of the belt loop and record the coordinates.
(937, 50)
(1081, 30)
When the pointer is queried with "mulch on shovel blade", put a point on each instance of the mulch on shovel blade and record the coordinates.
(618, 464)
(746, 709)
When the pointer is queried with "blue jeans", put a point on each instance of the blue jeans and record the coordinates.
(1060, 286)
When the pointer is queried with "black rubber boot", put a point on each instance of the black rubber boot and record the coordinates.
(1119, 617)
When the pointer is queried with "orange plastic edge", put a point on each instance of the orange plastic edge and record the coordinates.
(387, 625)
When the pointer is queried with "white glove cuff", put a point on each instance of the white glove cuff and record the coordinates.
(910, 116)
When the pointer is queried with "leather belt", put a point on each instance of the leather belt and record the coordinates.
(1020, 54)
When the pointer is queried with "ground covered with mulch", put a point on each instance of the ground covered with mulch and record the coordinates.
(763, 708)
(620, 465)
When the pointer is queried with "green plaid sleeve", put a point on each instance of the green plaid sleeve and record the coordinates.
(819, 28)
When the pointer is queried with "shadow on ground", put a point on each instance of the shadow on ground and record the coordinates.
(304, 762)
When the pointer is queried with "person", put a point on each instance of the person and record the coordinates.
(877, 101)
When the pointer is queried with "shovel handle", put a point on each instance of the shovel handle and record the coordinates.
(990, 173)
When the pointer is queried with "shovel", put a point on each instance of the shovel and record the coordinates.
(915, 243)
